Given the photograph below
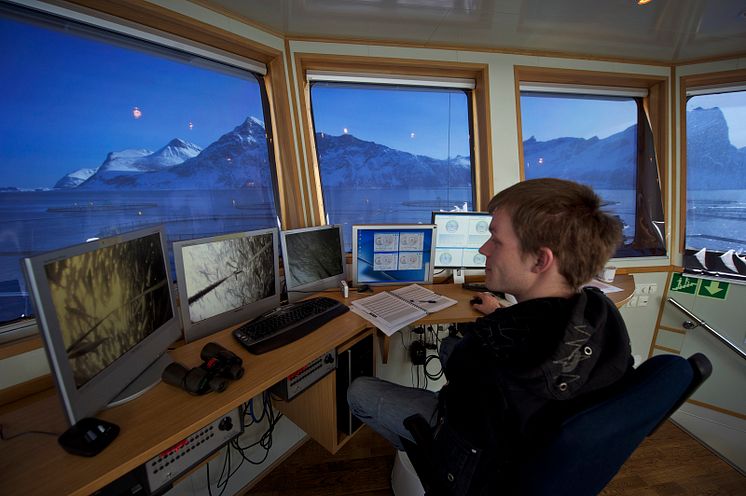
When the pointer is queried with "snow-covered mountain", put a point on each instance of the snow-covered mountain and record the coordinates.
(123, 161)
(237, 159)
(607, 163)
(121, 168)
(74, 179)
(348, 161)
(713, 162)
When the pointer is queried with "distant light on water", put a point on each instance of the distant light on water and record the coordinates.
(136, 112)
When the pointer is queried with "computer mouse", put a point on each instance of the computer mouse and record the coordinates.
(363, 288)
(477, 300)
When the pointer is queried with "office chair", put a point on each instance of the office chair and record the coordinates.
(592, 444)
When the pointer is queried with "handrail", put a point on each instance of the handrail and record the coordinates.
(705, 326)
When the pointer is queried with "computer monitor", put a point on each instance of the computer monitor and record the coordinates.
(313, 258)
(460, 235)
(392, 254)
(227, 279)
(107, 316)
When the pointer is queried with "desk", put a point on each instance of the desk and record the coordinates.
(163, 416)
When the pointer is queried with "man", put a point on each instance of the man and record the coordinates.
(519, 368)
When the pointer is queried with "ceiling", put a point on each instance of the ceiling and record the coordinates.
(669, 31)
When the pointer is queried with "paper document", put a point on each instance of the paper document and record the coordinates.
(391, 310)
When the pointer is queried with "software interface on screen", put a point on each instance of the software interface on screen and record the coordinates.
(313, 259)
(391, 254)
(459, 237)
(226, 279)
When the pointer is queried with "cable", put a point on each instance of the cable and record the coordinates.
(437, 376)
(248, 418)
(8, 438)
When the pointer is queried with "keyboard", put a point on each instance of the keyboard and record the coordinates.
(287, 324)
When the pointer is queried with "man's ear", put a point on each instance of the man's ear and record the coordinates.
(544, 259)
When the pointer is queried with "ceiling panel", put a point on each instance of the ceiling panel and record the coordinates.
(662, 31)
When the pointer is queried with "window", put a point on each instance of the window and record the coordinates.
(104, 133)
(391, 153)
(598, 137)
(715, 182)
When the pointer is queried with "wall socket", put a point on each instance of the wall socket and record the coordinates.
(646, 288)
(640, 300)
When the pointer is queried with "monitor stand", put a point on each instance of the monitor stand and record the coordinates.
(145, 381)
(458, 276)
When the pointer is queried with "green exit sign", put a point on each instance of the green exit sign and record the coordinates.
(683, 284)
(713, 289)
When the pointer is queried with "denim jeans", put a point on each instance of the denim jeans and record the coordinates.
(384, 405)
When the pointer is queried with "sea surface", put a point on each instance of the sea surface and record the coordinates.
(39, 221)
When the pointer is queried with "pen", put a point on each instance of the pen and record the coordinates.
(423, 301)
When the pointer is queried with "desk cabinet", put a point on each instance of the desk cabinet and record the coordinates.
(316, 409)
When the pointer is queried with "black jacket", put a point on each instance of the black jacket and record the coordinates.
(515, 374)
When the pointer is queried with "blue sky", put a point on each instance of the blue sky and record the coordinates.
(73, 106)
(420, 121)
(546, 118)
(733, 106)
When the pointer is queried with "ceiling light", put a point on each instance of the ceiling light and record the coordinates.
(643, 2)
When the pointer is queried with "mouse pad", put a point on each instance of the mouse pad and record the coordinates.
(88, 437)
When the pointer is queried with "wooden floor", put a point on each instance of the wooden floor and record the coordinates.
(668, 463)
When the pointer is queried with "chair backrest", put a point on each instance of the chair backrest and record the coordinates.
(593, 444)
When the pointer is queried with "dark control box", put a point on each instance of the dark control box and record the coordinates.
(306, 376)
(354, 362)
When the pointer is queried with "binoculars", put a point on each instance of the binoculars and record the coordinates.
(219, 365)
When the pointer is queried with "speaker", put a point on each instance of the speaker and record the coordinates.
(354, 362)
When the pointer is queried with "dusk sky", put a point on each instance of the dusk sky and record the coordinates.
(733, 106)
(414, 120)
(75, 104)
(546, 118)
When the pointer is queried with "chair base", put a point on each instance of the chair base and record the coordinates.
(404, 480)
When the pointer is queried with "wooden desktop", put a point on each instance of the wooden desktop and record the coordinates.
(165, 415)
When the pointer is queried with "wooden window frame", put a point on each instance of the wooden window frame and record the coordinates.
(655, 106)
(144, 14)
(481, 134)
(686, 83)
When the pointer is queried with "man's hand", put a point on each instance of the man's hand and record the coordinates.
(485, 303)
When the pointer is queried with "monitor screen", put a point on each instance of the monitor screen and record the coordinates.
(107, 316)
(313, 259)
(226, 279)
(460, 235)
(392, 254)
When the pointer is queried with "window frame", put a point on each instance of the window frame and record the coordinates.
(416, 69)
(697, 82)
(150, 20)
(654, 107)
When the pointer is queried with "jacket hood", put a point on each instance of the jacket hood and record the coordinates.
(595, 335)
(555, 360)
